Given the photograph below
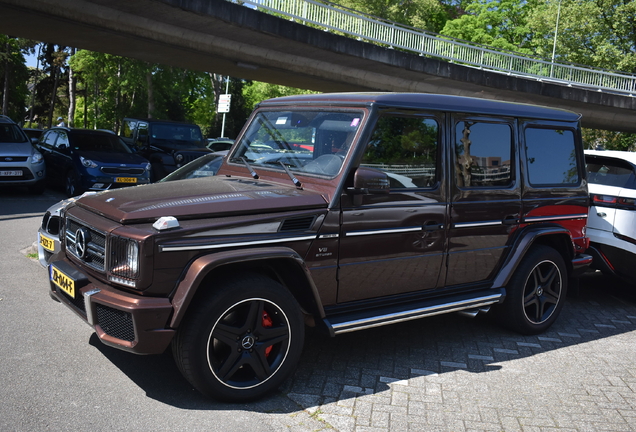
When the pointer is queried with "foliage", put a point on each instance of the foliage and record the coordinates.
(13, 69)
(424, 14)
(499, 23)
(591, 32)
(259, 91)
(609, 140)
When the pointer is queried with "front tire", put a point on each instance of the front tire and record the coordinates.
(72, 186)
(241, 342)
(536, 292)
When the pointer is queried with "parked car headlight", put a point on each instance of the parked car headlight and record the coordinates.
(148, 167)
(88, 163)
(36, 158)
(179, 158)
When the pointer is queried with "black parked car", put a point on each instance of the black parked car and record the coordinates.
(84, 159)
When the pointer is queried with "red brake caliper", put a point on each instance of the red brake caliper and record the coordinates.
(267, 323)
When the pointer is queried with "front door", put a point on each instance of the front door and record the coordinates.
(394, 243)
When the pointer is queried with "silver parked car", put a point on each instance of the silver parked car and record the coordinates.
(20, 163)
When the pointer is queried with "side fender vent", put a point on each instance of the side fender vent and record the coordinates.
(297, 224)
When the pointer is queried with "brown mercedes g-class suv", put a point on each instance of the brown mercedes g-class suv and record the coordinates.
(339, 211)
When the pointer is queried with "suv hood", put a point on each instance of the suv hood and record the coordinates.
(16, 149)
(195, 198)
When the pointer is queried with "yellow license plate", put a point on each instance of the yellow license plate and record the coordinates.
(126, 180)
(64, 282)
(47, 243)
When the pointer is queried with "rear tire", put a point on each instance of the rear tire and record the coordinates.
(536, 292)
(242, 341)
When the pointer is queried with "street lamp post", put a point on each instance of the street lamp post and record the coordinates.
(556, 31)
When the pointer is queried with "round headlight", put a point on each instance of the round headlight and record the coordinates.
(179, 158)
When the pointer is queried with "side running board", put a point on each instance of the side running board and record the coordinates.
(360, 320)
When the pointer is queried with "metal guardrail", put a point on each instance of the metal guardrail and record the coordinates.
(394, 35)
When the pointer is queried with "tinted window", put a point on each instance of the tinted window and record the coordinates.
(483, 152)
(551, 157)
(48, 139)
(406, 149)
(610, 172)
(108, 143)
(10, 133)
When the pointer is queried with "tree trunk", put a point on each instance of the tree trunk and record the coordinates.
(118, 99)
(35, 85)
(217, 86)
(56, 82)
(151, 96)
(72, 88)
(7, 72)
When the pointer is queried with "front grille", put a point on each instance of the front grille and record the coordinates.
(122, 171)
(115, 323)
(14, 159)
(95, 255)
(78, 301)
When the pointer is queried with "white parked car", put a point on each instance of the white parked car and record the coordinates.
(611, 224)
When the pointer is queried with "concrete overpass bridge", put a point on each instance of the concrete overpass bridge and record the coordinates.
(231, 39)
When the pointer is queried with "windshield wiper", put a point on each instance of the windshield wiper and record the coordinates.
(291, 176)
(249, 168)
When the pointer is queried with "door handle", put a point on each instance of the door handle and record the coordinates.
(432, 226)
(510, 220)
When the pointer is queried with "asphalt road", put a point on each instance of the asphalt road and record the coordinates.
(446, 373)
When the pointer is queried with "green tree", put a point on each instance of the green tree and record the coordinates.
(428, 15)
(14, 76)
(501, 24)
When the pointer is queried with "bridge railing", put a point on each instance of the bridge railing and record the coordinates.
(393, 35)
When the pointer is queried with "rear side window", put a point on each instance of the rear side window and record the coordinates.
(483, 152)
(551, 156)
(610, 172)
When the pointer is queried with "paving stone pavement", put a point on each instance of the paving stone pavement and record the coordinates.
(452, 373)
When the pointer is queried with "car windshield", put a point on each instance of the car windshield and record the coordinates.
(10, 133)
(611, 172)
(178, 135)
(205, 166)
(305, 141)
(108, 143)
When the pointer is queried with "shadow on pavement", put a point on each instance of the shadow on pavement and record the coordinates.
(368, 362)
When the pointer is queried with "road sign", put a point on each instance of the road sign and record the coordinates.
(224, 103)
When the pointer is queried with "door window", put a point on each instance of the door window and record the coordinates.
(406, 149)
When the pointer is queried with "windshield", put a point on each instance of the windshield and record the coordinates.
(314, 142)
(10, 133)
(183, 136)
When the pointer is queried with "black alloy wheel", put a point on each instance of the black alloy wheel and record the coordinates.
(242, 341)
(536, 292)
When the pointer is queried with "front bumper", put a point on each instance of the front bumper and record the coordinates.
(122, 320)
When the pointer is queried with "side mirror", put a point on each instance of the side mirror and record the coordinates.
(34, 141)
(63, 147)
(369, 181)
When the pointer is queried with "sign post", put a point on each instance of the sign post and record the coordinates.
(224, 104)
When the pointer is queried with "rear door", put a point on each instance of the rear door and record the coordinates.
(485, 197)
(394, 243)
